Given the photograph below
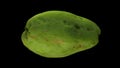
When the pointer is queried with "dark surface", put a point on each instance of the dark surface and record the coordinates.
(98, 11)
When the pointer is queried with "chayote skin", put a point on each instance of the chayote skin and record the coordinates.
(56, 34)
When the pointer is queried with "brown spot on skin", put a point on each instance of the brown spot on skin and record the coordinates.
(57, 41)
(77, 46)
(33, 37)
(46, 40)
(43, 36)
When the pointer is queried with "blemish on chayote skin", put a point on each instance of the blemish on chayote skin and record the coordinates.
(56, 34)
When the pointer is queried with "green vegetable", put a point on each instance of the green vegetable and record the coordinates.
(57, 34)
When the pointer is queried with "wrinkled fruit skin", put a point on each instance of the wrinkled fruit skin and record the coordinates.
(57, 34)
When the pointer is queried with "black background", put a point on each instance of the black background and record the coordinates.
(18, 12)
